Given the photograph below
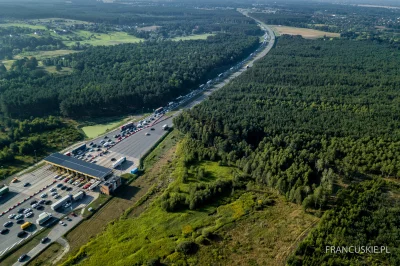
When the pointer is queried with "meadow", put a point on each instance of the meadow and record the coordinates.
(95, 39)
(193, 37)
(306, 33)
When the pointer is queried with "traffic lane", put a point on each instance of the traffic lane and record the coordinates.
(57, 232)
(11, 238)
(138, 144)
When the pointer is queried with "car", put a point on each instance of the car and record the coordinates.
(152, 128)
(43, 195)
(33, 202)
(68, 219)
(27, 210)
(4, 231)
(106, 137)
(44, 240)
(48, 202)
(7, 224)
(42, 201)
(66, 180)
(61, 222)
(22, 257)
(19, 216)
(35, 205)
(21, 210)
(98, 149)
(63, 187)
(57, 196)
(11, 216)
(21, 234)
(74, 214)
(91, 150)
(53, 193)
(69, 188)
(113, 159)
(91, 144)
(20, 221)
(53, 189)
(29, 214)
(71, 181)
(27, 184)
(59, 185)
(147, 134)
(40, 207)
(67, 205)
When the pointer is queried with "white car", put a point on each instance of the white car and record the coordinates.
(57, 196)
(147, 134)
(29, 214)
(43, 195)
(19, 216)
(53, 189)
(27, 211)
(12, 215)
(35, 205)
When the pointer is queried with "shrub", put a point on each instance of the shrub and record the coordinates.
(187, 247)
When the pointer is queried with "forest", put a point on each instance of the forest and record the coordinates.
(121, 79)
(306, 119)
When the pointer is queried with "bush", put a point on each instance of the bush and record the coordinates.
(187, 247)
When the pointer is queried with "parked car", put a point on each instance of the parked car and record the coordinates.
(19, 216)
(7, 224)
(57, 196)
(42, 201)
(11, 216)
(44, 240)
(33, 202)
(27, 184)
(21, 210)
(35, 205)
(29, 214)
(4, 231)
(59, 185)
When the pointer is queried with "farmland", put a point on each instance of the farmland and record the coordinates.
(305, 33)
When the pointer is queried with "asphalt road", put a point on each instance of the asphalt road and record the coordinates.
(38, 179)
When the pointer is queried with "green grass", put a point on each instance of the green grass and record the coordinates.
(23, 25)
(50, 253)
(63, 71)
(96, 39)
(193, 37)
(7, 63)
(40, 55)
(94, 131)
(96, 204)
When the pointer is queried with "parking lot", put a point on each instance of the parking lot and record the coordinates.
(21, 196)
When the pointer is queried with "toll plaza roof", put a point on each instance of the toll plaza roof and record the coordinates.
(76, 165)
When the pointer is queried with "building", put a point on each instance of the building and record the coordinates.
(110, 185)
(78, 167)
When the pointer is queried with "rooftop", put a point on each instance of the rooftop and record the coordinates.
(77, 165)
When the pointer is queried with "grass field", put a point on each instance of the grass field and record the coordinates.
(45, 258)
(306, 33)
(96, 39)
(45, 54)
(193, 37)
(24, 25)
(7, 63)
(95, 130)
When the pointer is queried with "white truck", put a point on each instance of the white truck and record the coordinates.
(165, 127)
(43, 217)
(61, 202)
(79, 195)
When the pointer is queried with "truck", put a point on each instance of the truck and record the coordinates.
(165, 127)
(80, 148)
(25, 225)
(79, 195)
(43, 217)
(119, 162)
(134, 170)
(4, 190)
(61, 202)
(159, 110)
(126, 126)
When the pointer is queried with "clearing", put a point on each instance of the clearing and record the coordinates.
(149, 28)
(96, 39)
(45, 54)
(193, 37)
(23, 25)
(306, 33)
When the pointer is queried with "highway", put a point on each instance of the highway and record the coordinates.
(132, 147)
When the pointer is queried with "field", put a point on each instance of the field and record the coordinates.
(193, 37)
(97, 130)
(96, 39)
(7, 63)
(44, 54)
(306, 33)
(23, 25)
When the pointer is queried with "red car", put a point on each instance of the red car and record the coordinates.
(66, 180)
